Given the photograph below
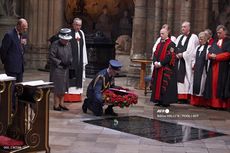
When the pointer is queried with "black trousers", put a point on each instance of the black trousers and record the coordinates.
(19, 78)
(96, 107)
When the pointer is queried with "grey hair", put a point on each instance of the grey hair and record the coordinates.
(187, 23)
(203, 35)
(208, 31)
(221, 27)
(77, 20)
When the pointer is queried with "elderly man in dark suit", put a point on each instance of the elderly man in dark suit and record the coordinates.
(12, 50)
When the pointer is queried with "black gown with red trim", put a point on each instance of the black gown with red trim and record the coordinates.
(200, 70)
(227, 87)
(164, 81)
(216, 87)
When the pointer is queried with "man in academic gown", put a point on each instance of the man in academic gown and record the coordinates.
(163, 83)
(200, 70)
(217, 75)
(77, 69)
(186, 44)
(173, 39)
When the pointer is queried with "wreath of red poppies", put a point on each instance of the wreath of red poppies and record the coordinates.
(120, 97)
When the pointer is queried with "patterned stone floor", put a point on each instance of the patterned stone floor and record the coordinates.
(69, 134)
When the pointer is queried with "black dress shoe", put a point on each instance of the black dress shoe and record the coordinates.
(157, 104)
(165, 105)
(64, 108)
(57, 108)
(110, 112)
(84, 108)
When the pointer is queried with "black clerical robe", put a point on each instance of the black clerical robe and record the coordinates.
(217, 75)
(199, 77)
(164, 82)
(76, 69)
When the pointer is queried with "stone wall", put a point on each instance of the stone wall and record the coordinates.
(45, 19)
(151, 15)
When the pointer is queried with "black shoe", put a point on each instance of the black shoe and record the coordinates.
(110, 112)
(57, 108)
(64, 108)
(100, 114)
(84, 108)
(165, 105)
(157, 104)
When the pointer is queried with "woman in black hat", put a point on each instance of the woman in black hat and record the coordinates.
(60, 61)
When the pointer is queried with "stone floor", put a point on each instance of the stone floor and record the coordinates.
(69, 134)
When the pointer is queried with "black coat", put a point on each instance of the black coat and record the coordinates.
(11, 53)
(76, 69)
(164, 82)
(60, 61)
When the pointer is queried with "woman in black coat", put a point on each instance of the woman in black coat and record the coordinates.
(60, 61)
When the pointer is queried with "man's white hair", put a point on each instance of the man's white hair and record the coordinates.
(187, 24)
(77, 20)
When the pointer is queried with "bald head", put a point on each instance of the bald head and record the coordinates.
(185, 28)
(22, 25)
(164, 33)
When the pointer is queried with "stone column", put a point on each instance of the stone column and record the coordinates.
(206, 10)
(150, 34)
(170, 14)
(138, 50)
(215, 7)
(51, 29)
(139, 30)
(198, 17)
(150, 28)
(177, 20)
(158, 18)
(58, 12)
(186, 10)
(45, 18)
(164, 11)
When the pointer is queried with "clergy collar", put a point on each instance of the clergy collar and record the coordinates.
(187, 34)
(219, 42)
(164, 40)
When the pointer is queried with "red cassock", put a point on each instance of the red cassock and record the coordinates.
(218, 75)
(163, 83)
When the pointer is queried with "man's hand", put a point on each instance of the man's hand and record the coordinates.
(212, 56)
(157, 64)
(179, 55)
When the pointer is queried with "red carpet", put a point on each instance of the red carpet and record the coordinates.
(6, 141)
(71, 98)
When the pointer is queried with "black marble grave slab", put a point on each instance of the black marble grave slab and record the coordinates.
(155, 129)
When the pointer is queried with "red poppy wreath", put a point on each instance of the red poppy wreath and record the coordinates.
(121, 97)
